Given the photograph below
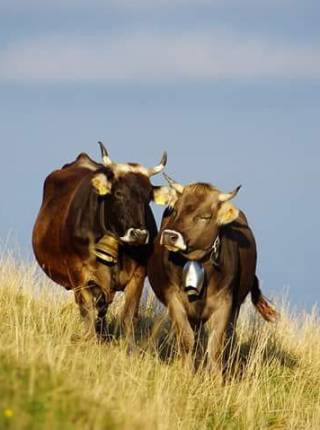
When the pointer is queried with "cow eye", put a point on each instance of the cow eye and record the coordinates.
(205, 217)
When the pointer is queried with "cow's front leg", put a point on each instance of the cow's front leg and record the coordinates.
(102, 300)
(103, 291)
(181, 324)
(85, 300)
(220, 326)
(133, 291)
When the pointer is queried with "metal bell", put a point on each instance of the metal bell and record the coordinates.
(193, 278)
(107, 249)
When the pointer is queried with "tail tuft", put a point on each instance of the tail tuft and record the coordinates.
(262, 304)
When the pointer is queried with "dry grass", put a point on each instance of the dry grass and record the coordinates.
(50, 377)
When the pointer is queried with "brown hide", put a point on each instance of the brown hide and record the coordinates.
(52, 238)
(236, 271)
(68, 225)
(189, 228)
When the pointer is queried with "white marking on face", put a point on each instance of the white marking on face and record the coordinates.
(129, 236)
(178, 245)
(123, 169)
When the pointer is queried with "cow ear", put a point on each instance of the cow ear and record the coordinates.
(101, 184)
(164, 195)
(227, 213)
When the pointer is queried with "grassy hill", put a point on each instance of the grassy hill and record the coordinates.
(52, 378)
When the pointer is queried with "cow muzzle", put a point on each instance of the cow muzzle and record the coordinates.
(136, 236)
(173, 240)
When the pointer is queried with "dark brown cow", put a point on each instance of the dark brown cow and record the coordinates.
(197, 215)
(94, 233)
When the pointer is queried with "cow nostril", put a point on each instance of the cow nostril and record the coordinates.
(139, 236)
(173, 240)
(173, 237)
(170, 237)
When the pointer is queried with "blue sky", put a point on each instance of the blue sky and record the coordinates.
(231, 89)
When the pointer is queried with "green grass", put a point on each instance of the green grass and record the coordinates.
(52, 378)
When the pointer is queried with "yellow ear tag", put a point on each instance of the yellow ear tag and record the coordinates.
(160, 199)
(163, 195)
(227, 213)
(101, 185)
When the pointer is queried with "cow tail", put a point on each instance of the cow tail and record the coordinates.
(262, 304)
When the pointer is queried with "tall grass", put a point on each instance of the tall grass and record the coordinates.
(52, 378)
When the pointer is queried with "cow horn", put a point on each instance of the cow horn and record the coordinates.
(224, 197)
(175, 185)
(104, 154)
(157, 169)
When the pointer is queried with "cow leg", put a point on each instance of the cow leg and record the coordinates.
(184, 332)
(231, 340)
(221, 329)
(85, 300)
(198, 345)
(103, 295)
(101, 305)
(133, 293)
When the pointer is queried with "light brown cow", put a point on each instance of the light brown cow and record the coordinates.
(202, 225)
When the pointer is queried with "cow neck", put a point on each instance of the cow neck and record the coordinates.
(104, 230)
(213, 254)
(215, 251)
(102, 217)
(107, 248)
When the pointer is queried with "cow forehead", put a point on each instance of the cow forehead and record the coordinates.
(123, 169)
(190, 204)
(135, 181)
(199, 195)
(200, 189)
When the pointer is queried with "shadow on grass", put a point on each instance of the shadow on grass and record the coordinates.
(271, 351)
(154, 335)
